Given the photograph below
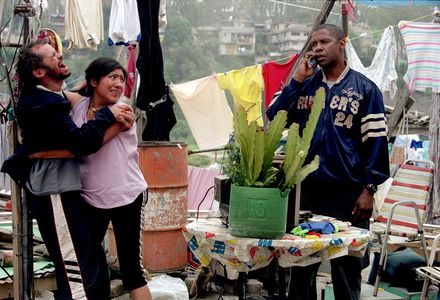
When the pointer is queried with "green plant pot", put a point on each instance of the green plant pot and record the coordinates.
(258, 212)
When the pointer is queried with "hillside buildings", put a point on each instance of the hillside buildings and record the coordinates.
(240, 37)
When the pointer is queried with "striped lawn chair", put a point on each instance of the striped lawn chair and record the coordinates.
(404, 209)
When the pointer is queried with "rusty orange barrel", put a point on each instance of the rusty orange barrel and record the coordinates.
(164, 166)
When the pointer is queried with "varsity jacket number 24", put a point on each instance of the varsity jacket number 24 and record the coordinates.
(351, 134)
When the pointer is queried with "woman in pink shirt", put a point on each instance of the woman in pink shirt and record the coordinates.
(111, 179)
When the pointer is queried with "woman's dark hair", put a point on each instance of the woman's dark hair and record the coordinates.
(27, 62)
(99, 68)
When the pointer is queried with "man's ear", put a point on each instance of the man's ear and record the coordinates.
(342, 43)
(39, 73)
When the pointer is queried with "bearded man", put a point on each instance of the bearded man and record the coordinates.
(52, 185)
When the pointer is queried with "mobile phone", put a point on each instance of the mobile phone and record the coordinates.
(312, 62)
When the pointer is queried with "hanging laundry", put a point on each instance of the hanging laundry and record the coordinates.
(275, 77)
(160, 120)
(206, 110)
(84, 23)
(382, 70)
(123, 27)
(150, 60)
(39, 5)
(416, 144)
(422, 41)
(246, 86)
(131, 71)
(53, 38)
(200, 180)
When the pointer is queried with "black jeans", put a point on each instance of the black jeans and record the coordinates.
(127, 221)
(334, 200)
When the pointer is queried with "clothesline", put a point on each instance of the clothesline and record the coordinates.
(381, 30)
(300, 6)
(360, 36)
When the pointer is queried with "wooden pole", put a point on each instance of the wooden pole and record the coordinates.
(17, 228)
(403, 102)
(17, 224)
(344, 19)
(21, 221)
(322, 17)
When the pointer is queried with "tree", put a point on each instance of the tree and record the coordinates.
(185, 58)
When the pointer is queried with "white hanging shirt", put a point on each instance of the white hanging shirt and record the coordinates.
(124, 27)
(84, 23)
(207, 111)
(382, 70)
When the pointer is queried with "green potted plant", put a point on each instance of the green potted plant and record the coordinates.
(259, 190)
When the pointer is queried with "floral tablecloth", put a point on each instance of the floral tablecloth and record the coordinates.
(209, 238)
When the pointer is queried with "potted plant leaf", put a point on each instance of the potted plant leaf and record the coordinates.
(259, 190)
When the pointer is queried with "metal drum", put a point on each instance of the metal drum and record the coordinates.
(164, 166)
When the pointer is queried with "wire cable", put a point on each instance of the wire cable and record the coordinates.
(220, 289)
(6, 272)
(381, 30)
(200, 203)
(360, 36)
(300, 6)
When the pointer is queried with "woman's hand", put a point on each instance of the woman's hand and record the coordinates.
(124, 114)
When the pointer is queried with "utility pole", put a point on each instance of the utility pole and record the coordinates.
(322, 17)
(21, 221)
(344, 19)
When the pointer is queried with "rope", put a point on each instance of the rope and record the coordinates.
(381, 30)
(360, 36)
(300, 6)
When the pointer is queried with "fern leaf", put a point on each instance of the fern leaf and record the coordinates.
(292, 146)
(272, 138)
(259, 155)
(307, 135)
(306, 170)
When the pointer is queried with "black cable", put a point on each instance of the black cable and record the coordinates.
(6, 24)
(198, 207)
(221, 290)
(16, 49)
(8, 71)
(7, 273)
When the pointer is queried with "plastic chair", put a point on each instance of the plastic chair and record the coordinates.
(430, 273)
(404, 209)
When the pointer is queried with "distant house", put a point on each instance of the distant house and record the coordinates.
(287, 38)
(236, 37)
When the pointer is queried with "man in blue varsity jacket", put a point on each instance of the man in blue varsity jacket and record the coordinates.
(351, 140)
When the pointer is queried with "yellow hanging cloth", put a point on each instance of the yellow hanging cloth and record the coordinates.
(246, 86)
